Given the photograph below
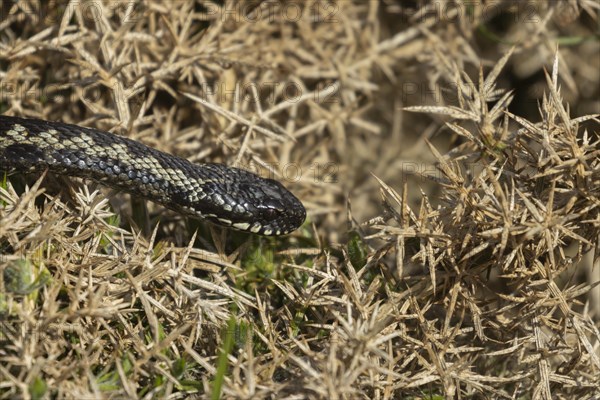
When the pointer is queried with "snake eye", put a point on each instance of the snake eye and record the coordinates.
(270, 213)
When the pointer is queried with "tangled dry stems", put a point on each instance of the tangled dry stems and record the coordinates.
(470, 290)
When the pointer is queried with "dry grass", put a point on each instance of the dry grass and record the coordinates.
(476, 124)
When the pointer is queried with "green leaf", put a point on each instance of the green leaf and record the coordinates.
(37, 388)
(222, 362)
(20, 277)
(357, 250)
(178, 368)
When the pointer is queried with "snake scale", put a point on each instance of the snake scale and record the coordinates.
(224, 195)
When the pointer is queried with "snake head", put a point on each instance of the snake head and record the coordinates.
(278, 211)
(244, 201)
(268, 207)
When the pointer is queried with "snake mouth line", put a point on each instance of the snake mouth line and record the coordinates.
(226, 196)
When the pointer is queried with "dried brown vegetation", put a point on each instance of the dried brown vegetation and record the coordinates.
(442, 259)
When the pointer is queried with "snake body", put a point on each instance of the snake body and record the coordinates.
(224, 195)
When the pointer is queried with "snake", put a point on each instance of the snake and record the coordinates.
(223, 195)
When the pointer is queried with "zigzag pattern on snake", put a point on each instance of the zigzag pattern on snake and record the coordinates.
(224, 195)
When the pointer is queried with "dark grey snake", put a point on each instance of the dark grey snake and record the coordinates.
(226, 196)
